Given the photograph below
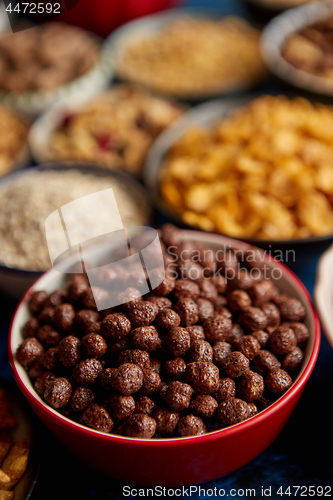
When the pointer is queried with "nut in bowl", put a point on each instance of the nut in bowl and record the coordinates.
(191, 365)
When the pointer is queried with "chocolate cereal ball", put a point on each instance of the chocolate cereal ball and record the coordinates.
(265, 362)
(262, 337)
(203, 405)
(186, 288)
(50, 358)
(48, 336)
(69, 351)
(64, 316)
(145, 338)
(43, 381)
(220, 351)
(85, 318)
(87, 371)
(278, 381)
(262, 292)
(291, 310)
(140, 425)
(282, 340)
(97, 417)
(196, 332)
(300, 330)
(105, 378)
(203, 377)
(145, 405)
(200, 350)
(94, 345)
(293, 360)
(151, 382)
(235, 364)
(178, 395)
(253, 318)
(115, 326)
(165, 287)
(205, 309)
(58, 392)
(136, 357)
(187, 309)
(82, 397)
(127, 379)
(161, 302)
(121, 407)
(167, 319)
(191, 425)
(142, 313)
(29, 351)
(249, 346)
(30, 328)
(233, 411)
(226, 390)
(178, 341)
(217, 328)
(166, 421)
(175, 368)
(250, 386)
(36, 301)
(272, 314)
(238, 300)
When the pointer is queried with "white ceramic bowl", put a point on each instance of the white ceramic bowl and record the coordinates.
(88, 85)
(323, 293)
(275, 35)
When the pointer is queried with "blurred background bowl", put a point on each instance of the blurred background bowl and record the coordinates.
(323, 293)
(300, 251)
(14, 282)
(118, 41)
(274, 37)
(174, 461)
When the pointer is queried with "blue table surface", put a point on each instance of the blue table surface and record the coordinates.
(299, 456)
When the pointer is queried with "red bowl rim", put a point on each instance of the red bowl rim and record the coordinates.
(297, 386)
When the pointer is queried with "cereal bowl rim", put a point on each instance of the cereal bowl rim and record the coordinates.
(88, 168)
(297, 386)
(274, 36)
(204, 114)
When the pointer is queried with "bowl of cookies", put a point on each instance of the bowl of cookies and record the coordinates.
(200, 373)
(187, 54)
(296, 47)
(251, 168)
(48, 63)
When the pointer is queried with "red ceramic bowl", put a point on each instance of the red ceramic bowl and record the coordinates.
(176, 461)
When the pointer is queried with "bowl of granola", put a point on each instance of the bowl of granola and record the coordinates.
(114, 129)
(187, 54)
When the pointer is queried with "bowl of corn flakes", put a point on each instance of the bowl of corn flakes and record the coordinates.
(253, 168)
